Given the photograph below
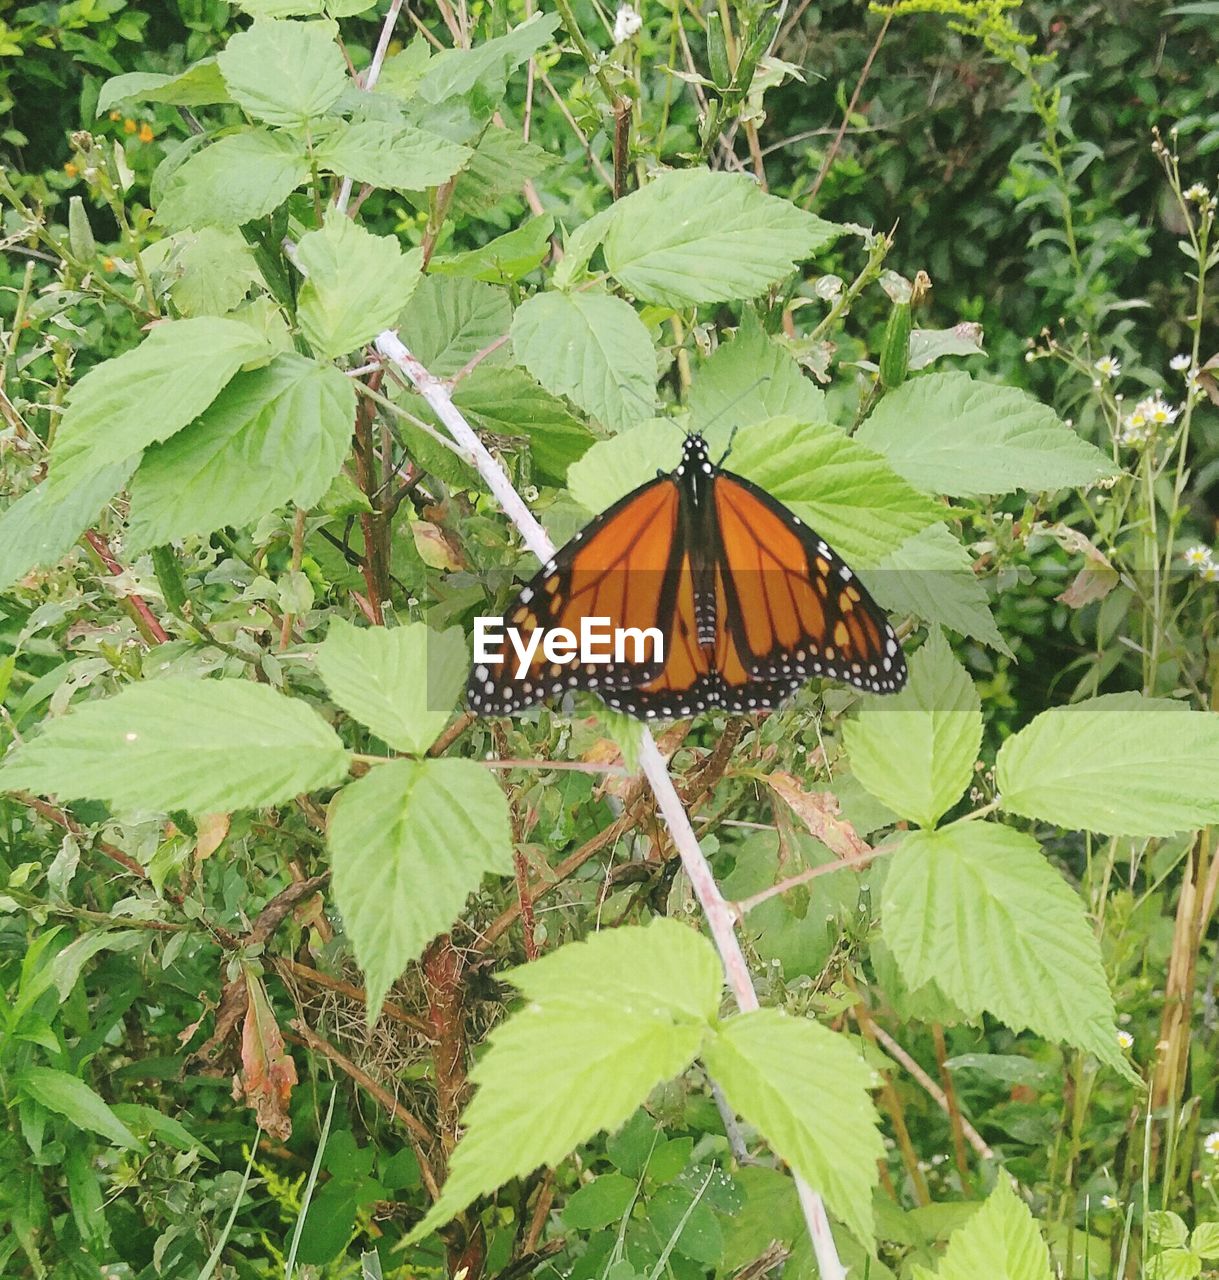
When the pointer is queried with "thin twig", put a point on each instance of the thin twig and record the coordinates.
(315, 978)
(721, 916)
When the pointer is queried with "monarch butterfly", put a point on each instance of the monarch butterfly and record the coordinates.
(750, 602)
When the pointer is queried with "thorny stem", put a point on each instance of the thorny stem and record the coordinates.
(720, 915)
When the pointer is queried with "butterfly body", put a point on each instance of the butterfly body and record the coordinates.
(750, 601)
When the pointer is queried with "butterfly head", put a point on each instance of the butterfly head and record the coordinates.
(694, 457)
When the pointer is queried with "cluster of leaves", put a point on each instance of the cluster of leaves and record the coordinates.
(237, 572)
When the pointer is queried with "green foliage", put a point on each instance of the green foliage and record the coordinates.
(1000, 1240)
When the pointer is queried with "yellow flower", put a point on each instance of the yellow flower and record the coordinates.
(146, 134)
(70, 169)
(107, 264)
(116, 115)
(129, 125)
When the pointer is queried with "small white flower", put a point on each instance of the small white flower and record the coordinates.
(1209, 572)
(1158, 412)
(1108, 1202)
(1125, 1040)
(1108, 367)
(626, 23)
(1198, 557)
(1198, 193)
(1210, 1143)
(1179, 363)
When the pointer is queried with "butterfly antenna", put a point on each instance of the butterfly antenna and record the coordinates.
(728, 450)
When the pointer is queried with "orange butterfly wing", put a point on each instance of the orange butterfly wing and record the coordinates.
(795, 608)
(621, 567)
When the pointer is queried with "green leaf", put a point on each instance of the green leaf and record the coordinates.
(805, 1090)
(42, 525)
(149, 1120)
(409, 843)
(200, 85)
(693, 236)
(396, 156)
(502, 162)
(448, 322)
(598, 1203)
(506, 258)
(402, 683)
(508, 402)
(275, 435)
(612, 468)
(978, 909)
(1165, 1230)
(235, 180)
(486, 66)
(1205, 1240)
(213, 270)
(206, 746)
(915, 751)
(1120, 764)
(605, 1021)
(120, 407)
(844, 491)
(748, 380)
(1000, 1242)
(930, 345)
(284, 72)
(356, 285)
(591, 347)
(949, 434)
(931, 576)
(71, 1098)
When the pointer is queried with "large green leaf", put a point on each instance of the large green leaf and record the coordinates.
(200, 85)
(447, 322)
(356, 285)
(42, 525)
(504, 259)
(409, 843)
(591, 347)
(207, 746)
(612, 468)
(1120, 764)
(949, 434)
(915, 752)
(501, 163)
(693, 236)
(485, 68)
(931, 576)
(976, 908)
(843, 490)
(147, 394)
(212, 270)
(1000, 1242)
(237, 179)
(805, 1090)
(284, 72)
(275, 435)
(391, 155)
(402, 683)
(71, 1097)
(606, 1020)
(751, 379)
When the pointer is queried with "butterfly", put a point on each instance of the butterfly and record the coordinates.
(749, 600)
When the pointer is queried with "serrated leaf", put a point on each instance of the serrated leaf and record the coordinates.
(200, 85)
(284, 72)
(508, 402)
(748, 380)
(978, 909)
(42, 525)
(949, 434)
(805, 1090)
(591, 347)
(1165, 1229)
(1120, 764)
(402, 683)
(206, 746)
(931, 576)
(502, 162)
(915, 751)
(212, 270)
(506, 258)
(149, 393)
(606, 1020)
(447, 322)
(693, 236)
(1205, 1240)
(1000, 1242)
(486, 67)
(394, 156)
(844, 491)
(72, 1098)
(356, 285)
(274, 435)
(409, 843)
(236, 179)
